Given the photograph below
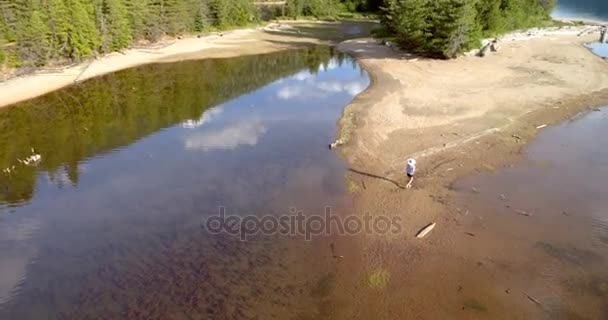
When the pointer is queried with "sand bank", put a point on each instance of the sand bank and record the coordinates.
(456, 117)
(273, 37)
(442, 102)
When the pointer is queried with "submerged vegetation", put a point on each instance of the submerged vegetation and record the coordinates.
(445, 28)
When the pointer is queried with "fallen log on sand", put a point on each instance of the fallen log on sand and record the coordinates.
(426, 230)
(484, 50)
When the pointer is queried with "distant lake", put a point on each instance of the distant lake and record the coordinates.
(589, 9)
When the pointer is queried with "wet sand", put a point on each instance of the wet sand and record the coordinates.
(459, 118)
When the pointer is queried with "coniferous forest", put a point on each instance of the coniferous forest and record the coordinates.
(444, 28)
(35, 32)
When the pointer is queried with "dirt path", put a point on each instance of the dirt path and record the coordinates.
(456, 118)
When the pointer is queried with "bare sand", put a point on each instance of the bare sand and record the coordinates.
(456, 118)
(272, 37)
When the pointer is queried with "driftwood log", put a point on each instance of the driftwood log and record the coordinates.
(484, 50)
(492, 45)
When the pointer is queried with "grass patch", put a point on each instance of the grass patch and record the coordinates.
(475, 305)
(351, 186)
(378, 279)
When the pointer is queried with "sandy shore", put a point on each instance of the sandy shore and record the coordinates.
(456, 118)
(270, 38)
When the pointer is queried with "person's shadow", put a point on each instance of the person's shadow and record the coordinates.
(376, 177)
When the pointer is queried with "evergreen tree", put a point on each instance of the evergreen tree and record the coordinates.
(117, 24)
(178, 16)
(8, 19)
(220, 10)
(83, 36)
(137, 11)
(448, 27)
(32, 33)
(295, 8)
(201, 15)
(155, 19)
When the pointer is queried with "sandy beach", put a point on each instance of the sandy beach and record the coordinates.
(456, 118)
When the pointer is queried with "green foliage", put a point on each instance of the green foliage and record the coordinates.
(322, 8)
(137, 12)
(83, 35)
(32, 33)
(114, 14)
(295, 8)
(445, 28)
(50, 30)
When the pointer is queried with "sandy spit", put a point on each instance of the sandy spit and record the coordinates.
(456, 118)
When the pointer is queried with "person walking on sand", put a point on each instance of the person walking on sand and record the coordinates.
(410, 170)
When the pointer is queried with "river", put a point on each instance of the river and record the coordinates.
(542, 225)
(109, 224)
(582, 9)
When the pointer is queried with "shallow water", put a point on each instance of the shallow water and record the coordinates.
(108, 225)
(600, 49)
(585, 9)
(549, 214)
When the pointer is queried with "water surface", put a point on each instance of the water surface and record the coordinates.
(108, 225)
(582, 9)
(549, 214)
(600, 49)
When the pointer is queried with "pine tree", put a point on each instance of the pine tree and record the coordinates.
(32, 33)
(220, 10)
(155, 19)
(84, 38)
(59, 25)
(117, 24)
(409, 20)
(8, 19)
(137, 11)
(201, 15)
(178, 16)
(295, 8)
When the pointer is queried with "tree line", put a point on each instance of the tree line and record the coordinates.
(445, 28)
(35, 32)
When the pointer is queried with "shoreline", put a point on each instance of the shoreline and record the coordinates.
(458, 119)
(267, 38)
(368, 53)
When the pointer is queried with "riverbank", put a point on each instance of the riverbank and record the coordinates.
(264, 39)
(456, 118)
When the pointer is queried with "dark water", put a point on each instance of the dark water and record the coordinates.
(589, 9)
(559, 250)
(108, 225)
